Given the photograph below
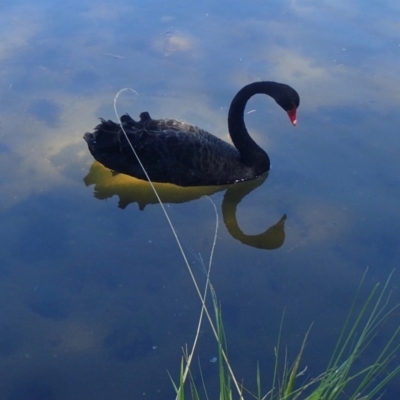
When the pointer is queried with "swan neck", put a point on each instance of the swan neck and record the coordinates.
(250, 152)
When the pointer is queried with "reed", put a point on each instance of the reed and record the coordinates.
(341, 378)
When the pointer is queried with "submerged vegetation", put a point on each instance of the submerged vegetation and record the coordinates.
(342, 378)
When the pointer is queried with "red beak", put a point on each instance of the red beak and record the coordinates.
(292, 115)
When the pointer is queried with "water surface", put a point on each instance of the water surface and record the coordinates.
(96, 300)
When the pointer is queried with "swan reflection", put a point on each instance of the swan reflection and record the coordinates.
(131, 190)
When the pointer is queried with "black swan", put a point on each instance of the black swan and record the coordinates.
(176, 152)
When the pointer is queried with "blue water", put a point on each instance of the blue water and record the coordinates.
(96, 300)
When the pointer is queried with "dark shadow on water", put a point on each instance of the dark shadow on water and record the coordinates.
(43, 232)
(85, 79)
(128, 342)
(46, 110)
(48, 303)
(40, 235)
(132, 190)
(34, 390)
(10, 340)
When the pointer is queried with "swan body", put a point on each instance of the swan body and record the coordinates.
(176, 152)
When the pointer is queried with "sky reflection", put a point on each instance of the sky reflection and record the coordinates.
(80, 276)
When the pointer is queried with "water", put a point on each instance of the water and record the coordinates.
(97, 302)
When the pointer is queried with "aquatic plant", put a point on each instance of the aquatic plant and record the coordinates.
(341, 378)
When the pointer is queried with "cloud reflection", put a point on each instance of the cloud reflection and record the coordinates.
(336, 176)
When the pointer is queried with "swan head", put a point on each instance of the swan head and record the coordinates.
(289, 100)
